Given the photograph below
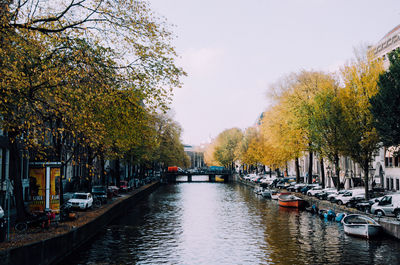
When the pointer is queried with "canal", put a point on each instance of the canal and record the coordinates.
(216, 223)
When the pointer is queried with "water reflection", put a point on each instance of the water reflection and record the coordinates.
(213, 223)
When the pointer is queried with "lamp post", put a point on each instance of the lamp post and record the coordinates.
(328, 168)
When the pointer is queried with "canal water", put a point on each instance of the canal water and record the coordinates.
(216, 223)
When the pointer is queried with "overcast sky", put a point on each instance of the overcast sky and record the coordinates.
(233, 49)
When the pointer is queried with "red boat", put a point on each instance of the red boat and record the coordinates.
(288, 200)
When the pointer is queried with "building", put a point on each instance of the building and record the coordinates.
(196, 156)
(386, 167)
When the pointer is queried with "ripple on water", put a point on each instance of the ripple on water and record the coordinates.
(205, 223)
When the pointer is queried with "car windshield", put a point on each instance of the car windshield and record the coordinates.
(96, 189)
(79, 196)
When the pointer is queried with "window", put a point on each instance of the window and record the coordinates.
(386, 161)
(396, 161)
(391, 184)
(397, 184)
(390, 162)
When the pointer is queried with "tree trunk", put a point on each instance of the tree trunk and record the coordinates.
(322, 173)
(337, 171)
(310, 167)
(297, 170)
(102, 175)
(366, 177)
(15, 175)
(117, 176)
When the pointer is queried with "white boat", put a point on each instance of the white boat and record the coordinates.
(258, 190)
(266, 193)
(360, 225)
(274, 194)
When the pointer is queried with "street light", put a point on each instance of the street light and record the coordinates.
(328, 168)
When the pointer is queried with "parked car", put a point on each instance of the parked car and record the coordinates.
(345, 197)
(332, 197)
(314, 190)
(100, 192)
(81, 200)
(1, 212)
(307, 187)
(388, 205)
(113, 190)
(291, 186)
(365, 205)
(298, 187)
(124, 186)
(323, 195)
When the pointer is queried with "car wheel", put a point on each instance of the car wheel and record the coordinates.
(397, 214)
(379, 213)
(339, 202)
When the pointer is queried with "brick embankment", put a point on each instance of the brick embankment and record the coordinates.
(48, 247)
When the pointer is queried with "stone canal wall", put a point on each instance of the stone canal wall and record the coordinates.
(390, 226)
(55, 249)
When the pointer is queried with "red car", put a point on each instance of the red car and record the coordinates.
(113, 190)
(124, 186)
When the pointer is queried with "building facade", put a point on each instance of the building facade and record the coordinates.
(386, 167)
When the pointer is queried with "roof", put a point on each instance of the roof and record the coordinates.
(391, 32)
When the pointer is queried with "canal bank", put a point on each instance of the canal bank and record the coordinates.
(390, 226)
(54, 249)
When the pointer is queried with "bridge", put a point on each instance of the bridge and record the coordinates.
(170, 177)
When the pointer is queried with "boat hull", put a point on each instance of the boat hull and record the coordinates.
(361, 226)
(266, 194)
(291, 201)
(366, 231)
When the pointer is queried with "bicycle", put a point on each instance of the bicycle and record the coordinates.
(40, 219)
(96, 202)
(67, 213)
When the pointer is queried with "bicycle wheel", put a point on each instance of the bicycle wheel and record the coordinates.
(21, 226)
(96, 203)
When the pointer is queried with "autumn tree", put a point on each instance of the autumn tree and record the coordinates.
(62, 60)
(282, 140)
(209, 154)
(226, 145)
(361, 84)
(328, 126)
(170, 150)
(246, 150)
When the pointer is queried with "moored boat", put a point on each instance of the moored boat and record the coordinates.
(289, 200)
(266, 193)
(361, 225)
(274, 194)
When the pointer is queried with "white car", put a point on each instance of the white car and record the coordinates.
(332, 197)
(1, 212)
(387, 205)
(345, 197)
(81, 200)
(314, 190)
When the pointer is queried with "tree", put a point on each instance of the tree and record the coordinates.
(360, 78)
(170, 149)
(61, 62)
(226, 145)
(328, 125)
(282, 140)
(246, 150)
(385, 105)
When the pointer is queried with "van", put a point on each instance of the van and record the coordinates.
(345, 197)
(388, 205)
